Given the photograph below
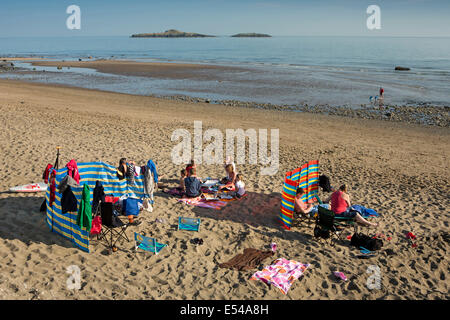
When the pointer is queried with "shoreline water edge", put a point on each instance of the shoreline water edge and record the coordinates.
(421, 113)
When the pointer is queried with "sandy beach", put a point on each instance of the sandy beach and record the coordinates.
(401, 170)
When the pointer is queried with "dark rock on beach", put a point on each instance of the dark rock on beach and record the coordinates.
(415, 114)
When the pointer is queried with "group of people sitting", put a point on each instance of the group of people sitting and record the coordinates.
(191, 185)
(339, 203)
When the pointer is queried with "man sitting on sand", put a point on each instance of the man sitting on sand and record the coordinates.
(192, 184)
(301, 207)
(340, 205)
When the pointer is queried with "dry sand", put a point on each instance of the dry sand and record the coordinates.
(400, 170)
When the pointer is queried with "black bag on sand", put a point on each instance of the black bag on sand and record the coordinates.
(324, 183)
(362, 240)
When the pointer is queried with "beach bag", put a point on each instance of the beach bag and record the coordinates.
(324, 183)
(131, 207)
(361, 240)
(96, 225)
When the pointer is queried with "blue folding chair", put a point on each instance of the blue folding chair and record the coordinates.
(147, 244)
(190, 224)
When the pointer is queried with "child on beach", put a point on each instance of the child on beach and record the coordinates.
(126, 169)
(239, 186)
(190, 166)
(182, 177)
(192, 184)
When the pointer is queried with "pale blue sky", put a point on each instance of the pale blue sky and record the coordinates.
(225, 17)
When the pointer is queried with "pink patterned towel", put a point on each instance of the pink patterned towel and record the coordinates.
(198, 202)
(281, 274)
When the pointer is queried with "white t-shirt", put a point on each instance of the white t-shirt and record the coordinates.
(240, 185)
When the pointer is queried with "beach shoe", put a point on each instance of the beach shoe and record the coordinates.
(197, 241)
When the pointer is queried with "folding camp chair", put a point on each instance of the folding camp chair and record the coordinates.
(147, 244)
(113, 229)
(190, 224)
(329, 225)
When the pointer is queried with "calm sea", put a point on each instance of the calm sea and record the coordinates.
(282, 70)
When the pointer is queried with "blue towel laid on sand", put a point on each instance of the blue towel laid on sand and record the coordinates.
(363, 211)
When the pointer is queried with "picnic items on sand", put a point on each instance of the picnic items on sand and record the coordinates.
(32, 187)
(273, 246)
(281, 274)
(369, 243)
(340, 275)
(90, 172)
(248, 260)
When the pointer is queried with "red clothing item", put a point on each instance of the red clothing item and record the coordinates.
(381, 91)
(72, 170)
(338, 204)
(52, 179)
(46, 172)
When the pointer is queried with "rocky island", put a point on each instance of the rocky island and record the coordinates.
(251, 35)
(172, 33)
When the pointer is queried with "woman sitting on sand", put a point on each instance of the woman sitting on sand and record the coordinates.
(340, 205)
(230, 179)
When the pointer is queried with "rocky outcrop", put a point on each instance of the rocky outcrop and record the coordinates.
(401, 68)
(251, 35)
(172, 33)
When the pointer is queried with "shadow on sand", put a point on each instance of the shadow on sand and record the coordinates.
(20, 219)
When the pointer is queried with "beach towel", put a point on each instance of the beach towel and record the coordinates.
(72, 170)
(152, 167)
(198, 202)
(84, 217)
(363, 211)
(281, 274)
(249, 259)
(174, 192)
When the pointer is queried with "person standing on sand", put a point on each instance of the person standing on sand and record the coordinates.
(381, 98)
(340, 205)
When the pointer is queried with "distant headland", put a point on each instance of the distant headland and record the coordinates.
(251, 35)
(172, 33)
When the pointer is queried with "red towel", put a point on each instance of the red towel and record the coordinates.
(72, 170)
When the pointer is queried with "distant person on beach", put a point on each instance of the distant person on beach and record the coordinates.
(381, 97)
(340, 205)
(192, 184)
